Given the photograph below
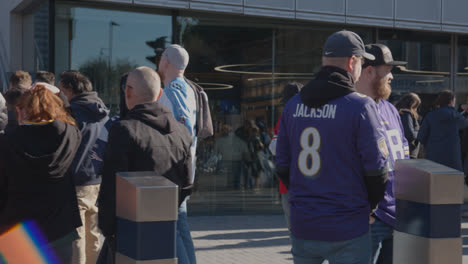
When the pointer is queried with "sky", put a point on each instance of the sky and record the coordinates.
(91, 35)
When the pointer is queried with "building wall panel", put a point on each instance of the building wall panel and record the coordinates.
(229, 2)
(232, 9)
(371, 8)
(320, 6)
(454, 12)
(273, 4)
(184, 4)
(426, 11)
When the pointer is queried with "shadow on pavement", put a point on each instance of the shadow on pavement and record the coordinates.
(208, 223)
(247, 235)
(250, 244)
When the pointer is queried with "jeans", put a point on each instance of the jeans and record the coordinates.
(185, 249)
(382, 243)
(86, 248)
(353, 251)
(286, 208)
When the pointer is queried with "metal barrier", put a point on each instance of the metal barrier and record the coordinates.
(146, 207)
(429, 197)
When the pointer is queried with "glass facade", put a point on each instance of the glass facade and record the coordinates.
(243, 63)
(104, 44)
(461, 84)
(429, 64)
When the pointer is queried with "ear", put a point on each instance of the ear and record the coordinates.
(160, 94)
(350, 64)
(128, 93)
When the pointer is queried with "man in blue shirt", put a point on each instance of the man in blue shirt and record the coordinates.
(375, 82)
(179, 97)
(332, 155)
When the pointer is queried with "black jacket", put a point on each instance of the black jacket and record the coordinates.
(34, 183)
(90, 114)
(331, 83)
(411, 129)
(147, 139)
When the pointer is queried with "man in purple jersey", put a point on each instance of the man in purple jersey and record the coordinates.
(375, 83)
(332, 156)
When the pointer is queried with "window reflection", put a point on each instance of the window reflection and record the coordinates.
(104, 44)
(428, 69)
(461, 84)
(255, 58)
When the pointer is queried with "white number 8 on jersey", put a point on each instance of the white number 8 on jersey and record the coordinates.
(309, 150)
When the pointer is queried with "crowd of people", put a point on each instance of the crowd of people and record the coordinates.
(62, 151)
(335, 148)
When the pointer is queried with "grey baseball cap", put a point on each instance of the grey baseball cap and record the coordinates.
(345, 43)
(177, 56)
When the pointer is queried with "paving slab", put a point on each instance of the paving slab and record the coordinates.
(252, 239)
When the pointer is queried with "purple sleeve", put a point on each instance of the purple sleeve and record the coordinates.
(371, 142)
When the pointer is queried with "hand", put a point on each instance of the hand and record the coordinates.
(371, 220)
(464, 107)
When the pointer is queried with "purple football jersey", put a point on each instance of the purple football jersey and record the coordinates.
(398, 149)
(329, 150)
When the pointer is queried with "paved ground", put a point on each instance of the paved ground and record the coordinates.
(241, 239)
(255, 239)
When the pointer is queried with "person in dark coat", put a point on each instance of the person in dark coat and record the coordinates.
(408, 109)
(439, 132)
(90, 114)
(148, 138)
(34, 183)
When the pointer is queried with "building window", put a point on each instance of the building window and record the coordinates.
(104, 44)
(429, 63)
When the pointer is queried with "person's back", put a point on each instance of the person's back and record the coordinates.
(91, 115)
(179, 97)
(439, 132)
(147, 139)
(157, 141)
(331, 154)
(33, 172)
(439, 135)
(328, 194)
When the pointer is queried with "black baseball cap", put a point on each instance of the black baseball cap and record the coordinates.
(345, 43)
(383, 56)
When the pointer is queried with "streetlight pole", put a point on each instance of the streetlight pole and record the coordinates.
(111, 27)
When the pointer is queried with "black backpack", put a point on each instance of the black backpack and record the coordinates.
(204, 124)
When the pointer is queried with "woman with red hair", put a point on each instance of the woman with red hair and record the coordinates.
(34, 184)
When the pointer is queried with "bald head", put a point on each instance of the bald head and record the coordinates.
(143, 85)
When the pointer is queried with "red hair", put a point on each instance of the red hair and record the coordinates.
(40, 104)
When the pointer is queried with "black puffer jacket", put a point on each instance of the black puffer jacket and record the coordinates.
(147, 139)
(34, 183)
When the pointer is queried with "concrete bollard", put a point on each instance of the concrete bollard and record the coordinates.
(146, 208)
(429, 197)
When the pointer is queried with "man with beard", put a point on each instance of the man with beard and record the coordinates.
(375, 83)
